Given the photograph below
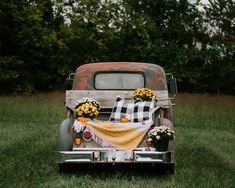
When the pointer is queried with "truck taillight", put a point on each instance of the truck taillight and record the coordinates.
(87, 136)
(77, 141)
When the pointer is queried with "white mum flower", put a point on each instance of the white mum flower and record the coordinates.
(150, 139)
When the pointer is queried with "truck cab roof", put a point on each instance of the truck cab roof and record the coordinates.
(85, 75)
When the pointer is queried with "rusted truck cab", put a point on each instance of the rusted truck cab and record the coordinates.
(104, 82)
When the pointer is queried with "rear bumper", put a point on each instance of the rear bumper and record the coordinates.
(104, 155)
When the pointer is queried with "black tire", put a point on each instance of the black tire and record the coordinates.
(167, 169)
(62, 167)
(170, 168)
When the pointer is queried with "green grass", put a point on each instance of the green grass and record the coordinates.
(205, 155)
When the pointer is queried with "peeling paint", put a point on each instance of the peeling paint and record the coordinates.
(154, 74)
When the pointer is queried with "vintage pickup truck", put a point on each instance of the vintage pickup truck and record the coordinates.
(104, 82)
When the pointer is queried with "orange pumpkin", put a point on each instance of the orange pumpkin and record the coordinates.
(82, 119)
(77, 141)
(148, 142)
(124, 120)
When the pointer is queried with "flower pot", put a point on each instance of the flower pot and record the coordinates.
(161, 145)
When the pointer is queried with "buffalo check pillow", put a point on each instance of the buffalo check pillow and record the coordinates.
(121, 107)
(142, 111)
(136, 112)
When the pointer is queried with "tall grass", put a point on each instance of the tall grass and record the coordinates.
(205, 127)
(205, 141)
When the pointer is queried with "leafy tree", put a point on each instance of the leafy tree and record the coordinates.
(175, 31)
(220, 20)
(42, 41)
(29, 34)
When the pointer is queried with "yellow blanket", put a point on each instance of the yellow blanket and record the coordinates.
(124, 136)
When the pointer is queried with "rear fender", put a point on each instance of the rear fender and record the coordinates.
(168, 123)
(65, 136)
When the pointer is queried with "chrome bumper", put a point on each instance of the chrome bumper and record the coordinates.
(103, 155)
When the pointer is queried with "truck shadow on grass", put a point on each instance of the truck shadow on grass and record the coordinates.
(200, 162)
(117, 169)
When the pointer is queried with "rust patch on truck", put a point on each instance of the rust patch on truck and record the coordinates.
(154, 74)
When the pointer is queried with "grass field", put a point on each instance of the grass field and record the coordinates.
(205, 155)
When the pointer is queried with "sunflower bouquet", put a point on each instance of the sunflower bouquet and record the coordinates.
(87, 107)
(144, 94)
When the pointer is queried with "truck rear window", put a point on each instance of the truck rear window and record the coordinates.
(119, 81)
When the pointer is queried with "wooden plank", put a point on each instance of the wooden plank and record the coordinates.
(107, 98)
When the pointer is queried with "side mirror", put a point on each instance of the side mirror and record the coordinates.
(69, 81)
(172, 84)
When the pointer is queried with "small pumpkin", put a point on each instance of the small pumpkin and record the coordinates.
(82, 119)
(77, 141)
(148, 142)
(124, 120)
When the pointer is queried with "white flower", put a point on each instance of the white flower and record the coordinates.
(150, 139)
(162, 131)
(78, 126)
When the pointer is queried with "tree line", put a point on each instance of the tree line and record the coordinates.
(42, 41)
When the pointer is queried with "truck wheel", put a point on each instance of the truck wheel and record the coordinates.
(166, 122)
(65, 168)
(167, 169)
(65, 137)
(170, 169)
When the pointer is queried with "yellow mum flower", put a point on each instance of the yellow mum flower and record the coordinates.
(82, 107)
(87, 107)
(143, 94)
(80, 113)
